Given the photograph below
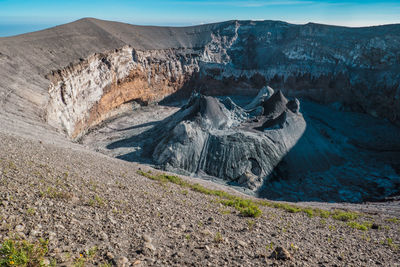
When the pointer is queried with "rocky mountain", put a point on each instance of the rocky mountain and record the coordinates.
(76, 76)
(356, 67)
(194, 100)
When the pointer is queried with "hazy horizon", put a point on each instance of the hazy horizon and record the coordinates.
(18, 17)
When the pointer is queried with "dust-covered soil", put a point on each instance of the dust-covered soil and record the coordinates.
(96, 209)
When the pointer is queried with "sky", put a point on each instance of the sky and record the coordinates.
(17, 16)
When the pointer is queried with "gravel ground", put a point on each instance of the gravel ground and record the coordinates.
(96, 209)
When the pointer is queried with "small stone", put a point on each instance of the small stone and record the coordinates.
(103, 236)
(280, 253)
(35, 233)
(74, 199)
(206, 232)
(207, 248)
(147, 238)
(112, 220)
(52, 235)
(20, 228)
(136, 262)
(59, 226)
(109, 256)
(242, 243)
(46, 262)
(149, 246)
(375, 226)
(122, 261)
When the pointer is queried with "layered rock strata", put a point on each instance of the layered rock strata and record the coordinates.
(86, 93)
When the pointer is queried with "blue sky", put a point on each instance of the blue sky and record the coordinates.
(17, 16)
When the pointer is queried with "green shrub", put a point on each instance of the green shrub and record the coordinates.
(246, 207)
(363, 226)
(22, 253)
(344, 215)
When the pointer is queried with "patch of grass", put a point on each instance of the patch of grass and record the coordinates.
(270, 246)
(54, 193)
(366, 238)
(344, 215)
(22, 253)
(79, 262)
(309, 212)
(393, 220)
(250, 224)
(225, 211)
(391, 244)
(96, 201)
(86, 257)
(246, 207)
(30, 211)
(92, 252)
(322, 213)
(218, 238)
(360, 226)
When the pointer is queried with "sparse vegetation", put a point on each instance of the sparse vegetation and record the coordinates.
(250, 224)
(393, 220)
(246, 207)
(250, 208)
(344, 215)
(96, 201)
(52, 192)
(30, 211)
(270, 246)
(391, 244)
(218, 238)
(22, 253)
(86, 257)
(360, 226)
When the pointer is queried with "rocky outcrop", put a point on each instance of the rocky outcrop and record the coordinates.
(222, 140)
(86, 93)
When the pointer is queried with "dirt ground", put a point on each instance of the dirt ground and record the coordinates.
(96, 209)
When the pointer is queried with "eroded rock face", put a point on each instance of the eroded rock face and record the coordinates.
(86, 93)
(220, 139)
(357, 68)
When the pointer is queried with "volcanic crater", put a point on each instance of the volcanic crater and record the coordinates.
(282, 111)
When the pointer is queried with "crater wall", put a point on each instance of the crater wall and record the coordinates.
(355, 69)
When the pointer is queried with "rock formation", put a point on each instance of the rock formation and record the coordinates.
(220, 139)
(356, 68)
(73, 77)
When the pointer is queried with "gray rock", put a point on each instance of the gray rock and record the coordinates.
(122, 261)
(147, 238)
(223, 140)
(148, 245)
(20, 228)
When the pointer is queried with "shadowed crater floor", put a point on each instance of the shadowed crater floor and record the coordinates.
(267, 146)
